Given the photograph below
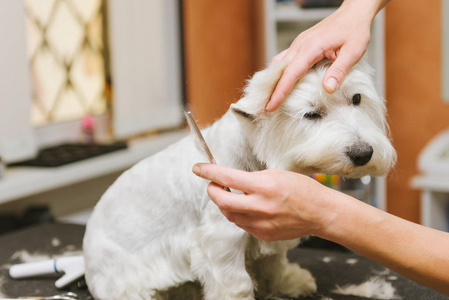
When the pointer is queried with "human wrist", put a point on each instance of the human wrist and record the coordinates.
(326, 211)
(338, 211)
(351, 220)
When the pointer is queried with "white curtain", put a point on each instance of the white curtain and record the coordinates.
(145, 59)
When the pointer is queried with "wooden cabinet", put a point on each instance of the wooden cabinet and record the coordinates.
(223, 47)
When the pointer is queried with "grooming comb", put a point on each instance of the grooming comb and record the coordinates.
(194, 126)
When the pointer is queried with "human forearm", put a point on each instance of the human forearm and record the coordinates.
(415, 251)
(364, 8)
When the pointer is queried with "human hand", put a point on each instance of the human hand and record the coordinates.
(342, 37)
(276, 204)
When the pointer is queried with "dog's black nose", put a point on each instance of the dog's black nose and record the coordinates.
(360, 154)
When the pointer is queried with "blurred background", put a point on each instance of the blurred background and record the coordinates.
(90, 87)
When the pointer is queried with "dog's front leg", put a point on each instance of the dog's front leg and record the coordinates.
(218, 258)
(278, 277)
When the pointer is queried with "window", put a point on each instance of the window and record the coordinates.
(65, 49)
(144, 60)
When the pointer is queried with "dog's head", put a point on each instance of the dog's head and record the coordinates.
(342, 133)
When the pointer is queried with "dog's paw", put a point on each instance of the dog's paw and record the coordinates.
(296, 282)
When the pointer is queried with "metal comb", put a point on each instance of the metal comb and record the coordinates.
(194, 126)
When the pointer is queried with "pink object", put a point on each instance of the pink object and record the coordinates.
(88, 122)
(88, 125)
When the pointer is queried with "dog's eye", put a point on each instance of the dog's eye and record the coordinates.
(356, 99)
(314, 115)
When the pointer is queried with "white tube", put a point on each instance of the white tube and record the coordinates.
(71, 266)
(33, 269)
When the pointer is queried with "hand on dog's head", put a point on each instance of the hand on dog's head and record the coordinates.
(343, 133)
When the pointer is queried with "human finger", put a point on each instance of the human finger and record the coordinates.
(227, 201)
(295, 70)
(336, 73)
(239, 209)
(224, 176)
(261, 234)
(279, 56)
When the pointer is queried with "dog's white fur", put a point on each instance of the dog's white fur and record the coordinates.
(156, 228)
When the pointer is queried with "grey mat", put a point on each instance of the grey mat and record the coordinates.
(329, 267)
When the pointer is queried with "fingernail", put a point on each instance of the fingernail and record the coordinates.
(268, 106)
(331, 84)
(196, 169)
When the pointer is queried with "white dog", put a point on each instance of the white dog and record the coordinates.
(155, 227)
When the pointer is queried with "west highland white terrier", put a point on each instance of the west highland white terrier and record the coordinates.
(156, 228)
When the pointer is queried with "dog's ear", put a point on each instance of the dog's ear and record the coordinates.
(258, 91)
(242, 110)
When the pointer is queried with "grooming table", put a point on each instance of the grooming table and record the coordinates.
(329, 267)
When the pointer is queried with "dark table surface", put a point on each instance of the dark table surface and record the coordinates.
(329, 267)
